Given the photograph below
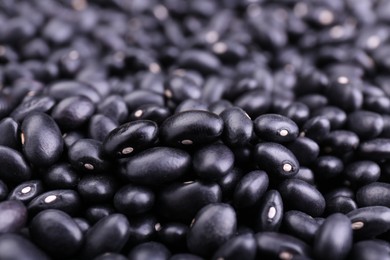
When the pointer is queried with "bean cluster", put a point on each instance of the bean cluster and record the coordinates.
(229, 129)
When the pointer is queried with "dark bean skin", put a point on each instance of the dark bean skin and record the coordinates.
(151, 112)
(238, 127)
(110, 256)
(97, 188)
(314, 101)
(3, 191)
(14, 167)
(316, 128)
(340, 142)
(340, 204)
(157, 166)
(181, 201)
(65, 89)
(229, 181)
(370, 249)
(250, 189)
(275, 128)
(242, 246)
(95, 212)
(108, 235)
(375, 149)
(133, 200)
(300, 225)
(65, 237)
(61, 176)
(191, 104)
(85, 155)
(141, 229)
(374, 194)
(137, 98)
(65, 200)
(365, 124)
(180, 88)
(13, 246)
(26, 191)
(220, 106)
(149, 250)
(114, 107)
(305, 174)
(130, 138)
(327, 167)
(333, 239)
(255, 103)
(305, 150)
(174, 235)
(346, 96)
(100, 126)
(71, 113)
(272, 245)
(41, 139)
(362, 172)
(212, 162)
(299, 195)
(270, 212)
(213, 226)
(335, 115)
(191, 128)
(10, 134)
(276, 160)
(199, 60)
(35, 104)
(13, 216)
(213, 89)
(71, 137)
(185, 257)
(297, 112)
(82, 224)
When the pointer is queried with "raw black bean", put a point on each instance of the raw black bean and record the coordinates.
(14, 168)
(305, 150)
(375, 149)
(97, 188)
(132, 200)
(157, 166)
(219, 106)
(297, 112)
(100, 126)
(65, 237)
(13, 246)
(344, 94)
(191, 104)
(271, 212)
(305, 174)
(333, 239)
(82, 224)
(26, 191)
(154, 113)
(314, 101)
(370, 249)
(213, 225)
(130, 138)
(114, 107)
(41, 139)
(110, 256)
(9, 133)
(242, 246)
(97, 212)
(335, 115)
(3, 190)
(137, 98)
(340, 142)
(61, 176)
(374, 194)
(255, 102)
(365, 124)
(275, 128)
(362, 172)
(191, 128)
(327, 167)
(276, 160)
(250, 189)
(65, 89)
(199, 60)
(300, 195)
(180, 88)
(238, 127)
(141, 229)
(149, 250)
(108, 235)
(173, 235)
(300, 225)
(316, 128)
(35, 104)
(340, 204)
(13, 216)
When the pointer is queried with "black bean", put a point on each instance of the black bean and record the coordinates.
(61, 176)
(314, 101)
(365, 124)
(65, 200)
(250, 189)
(370, 249)
(82, 224)
(13, 216)
(114, 107)
(182, 201)
(149, 250)
(344, 94)
(275, 128)
(255, 102)
(340, 142)
(137, 98)
(41, 139)
(297, 112)
(9, 133)
(242, 246)
(141, 229)
(35, 104)
(13, 246)
(65, 237)
(374, 194)
(185, 257)
(26, 191)
(362, 172)
(199, 60)
(180, 88)
(375, 149)
(213, 89)
(272, 245)
(14, 167)
(276, 160)
(108, 235)
(300, 195)
(191, 128)
(157, 166)
(213, 225)
(316, 128)
(238, 126)
(3, 190)
(300, 225)
(333, 239)
(132, 200)
(305, 150)
(335, 115)
(100, 126)
(66, 89)
(305, 174)
(97, 212)
(270, 212)
(130, 138)
(340, 204)
(151, 112)
(327, 167)
(110, 256)
(86, 155)
(219, 106)
(173, 235)
(191, 104)
(97, 188)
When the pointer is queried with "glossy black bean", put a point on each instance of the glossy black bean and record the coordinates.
(114, 107)
(327, 167)
(276, 160)
(362, 172)
(213, 89)
(240, 246)
(157, 166)
(333, 239)
(191, 104)
(305, 174)
(35, 104)
(65, 89)
(3, 191)
(65, 200)
(219, 106)
(182, 201)
(270, 212)
(335, 116)
(185, 257)
(82, 224)
(41, 139)
(86, 155)
(10, 134)
(64, 238)
(374, 194)
(376, 104)
(314, 101)
(141, 229)
(100, 126)
(272, 245)
(275, 128)
(151, 112)
(97, 212)
(213, 225)
(340, 142)
(375, 149)
(255, 102)
(365, 124)
(97, 188)
(13, 246)
(199, 60)
(316, 128)
(71, 137)
(370, 249)
(132, 200)
(57, 31)
(173, 235)
(110, 256)
(73, 112)
(137, 98)
(130, 138)
(340, 204)
(14, 167)
(345, 96)
(305, 150)
(149, 250)
(299, 195)
(13, 216)
(250, 189)
(108, 235)
(297, 112)
(61, 176)
(230, 181)
(238, 126)
(191, 128)
(26, 191)
(180, 88)
(300, 225)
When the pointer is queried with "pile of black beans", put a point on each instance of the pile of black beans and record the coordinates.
(202, 129)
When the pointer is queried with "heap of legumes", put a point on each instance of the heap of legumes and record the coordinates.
(199, 129)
